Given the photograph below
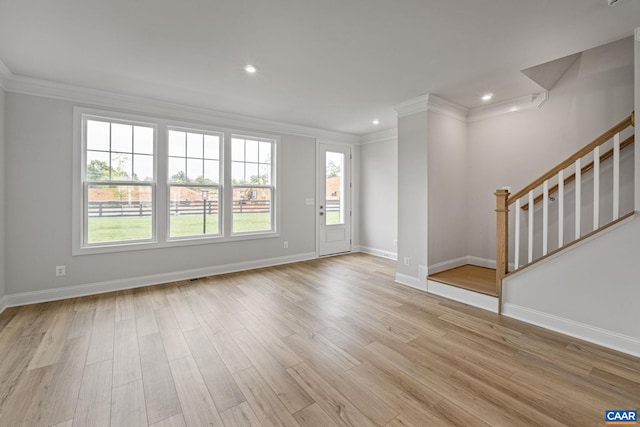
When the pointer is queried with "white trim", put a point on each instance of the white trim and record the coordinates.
(523, 103)
(481, 262)
(413, 282)
(448, 108)
(610, 339)
(5, 75)
(104, 99)
(637, 34)
(376, 252)
(412, 106)
(448, 265)
(3, 304)
(23, 298)
(380, 136)
(475, 299)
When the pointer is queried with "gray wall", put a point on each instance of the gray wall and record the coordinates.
(447, 146)
(2, 194)
(514, 149)
(637, 110)
(412, 194)
(38, 208)
(379, 197)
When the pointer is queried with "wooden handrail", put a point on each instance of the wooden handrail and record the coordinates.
(587, 168)
(578, 155)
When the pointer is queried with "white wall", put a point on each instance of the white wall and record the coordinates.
(514, 149)
(447, 170)
(2, 196)
(378, 192)
(591, 291)
(38, 210)
(412, 196)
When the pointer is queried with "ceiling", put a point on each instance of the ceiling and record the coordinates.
(329, 64)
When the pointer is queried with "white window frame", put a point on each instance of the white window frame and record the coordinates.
(274, 153)
(161, 199)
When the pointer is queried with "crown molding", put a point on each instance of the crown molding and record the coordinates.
(105, 99)
(447, 108)
(382, 135)
(412, 106)
(5, 75)
(523, 103)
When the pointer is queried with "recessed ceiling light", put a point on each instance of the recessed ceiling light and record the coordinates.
(487, 97)
(376, 122)
(250, 69)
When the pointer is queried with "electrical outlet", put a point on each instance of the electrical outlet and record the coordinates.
(395, 242)
(406, 260)
(61, 270)
(286, 245)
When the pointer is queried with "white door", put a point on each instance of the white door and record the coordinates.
(334, 199)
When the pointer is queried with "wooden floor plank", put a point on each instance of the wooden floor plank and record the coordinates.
(197, 406)
(331, 341)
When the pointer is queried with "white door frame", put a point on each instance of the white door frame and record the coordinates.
(320, 197)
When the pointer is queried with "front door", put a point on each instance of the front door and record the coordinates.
(334, 199)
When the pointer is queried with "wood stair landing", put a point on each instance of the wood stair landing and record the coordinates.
(469, 277)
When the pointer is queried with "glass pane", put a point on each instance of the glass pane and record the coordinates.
(265, 152)
(237, 150)
(237, 173)
(265, 174)
(191, 214)
(251, 173)
(194, 145)
(119, 213)
(121, 138)
(177, 169)
(194, 170)
(251, 209)
(142, 167)
(98, 135)
(142, 140)
(211, 147)
(334, 188)
(121, 167)
(97, 166)
(251, 151)
(177, 143)
(211, 172)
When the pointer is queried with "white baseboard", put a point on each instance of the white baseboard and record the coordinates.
(610, 339)
(475, 299)
(481, 262)
(411, 281)
(378, 252)
(448, 265)
(34, 297)
(3, 304)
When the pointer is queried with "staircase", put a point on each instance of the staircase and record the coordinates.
(580, 197)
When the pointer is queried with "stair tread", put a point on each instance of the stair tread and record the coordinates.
(470, 277)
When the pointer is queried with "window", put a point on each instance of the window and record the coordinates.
(118, 181)
(217, 184)
(252, 180)
(194, 183)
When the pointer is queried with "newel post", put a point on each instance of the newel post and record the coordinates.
(502, 240)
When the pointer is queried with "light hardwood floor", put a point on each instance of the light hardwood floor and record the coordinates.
(321, 343)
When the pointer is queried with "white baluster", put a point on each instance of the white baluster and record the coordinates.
(596, 187)
(517, 230)
(616, 176)
(561, 209)
(530, 241)
(545, 217)
(578, 190)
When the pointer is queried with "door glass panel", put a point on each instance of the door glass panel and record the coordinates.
(334, 209)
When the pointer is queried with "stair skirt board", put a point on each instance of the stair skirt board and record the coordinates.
(475, 299)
